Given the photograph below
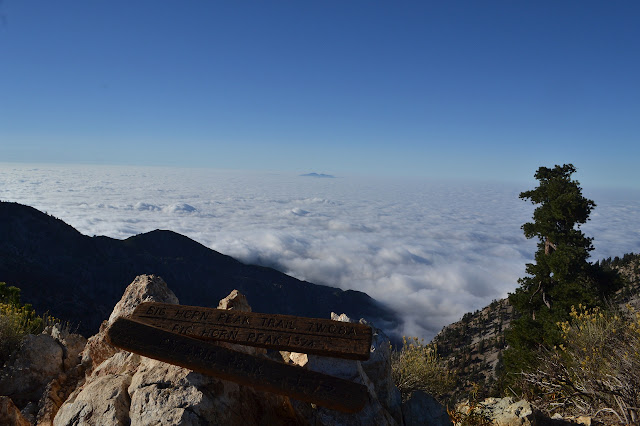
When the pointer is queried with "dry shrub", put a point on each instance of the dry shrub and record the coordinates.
(595, 371)
(417, 366)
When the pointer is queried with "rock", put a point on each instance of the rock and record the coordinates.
(10, 414)
(52, 398)
(97, 349)
(375, 412)
(167, 394)
(505, 411)
(378, 369)
(144, 288)
(341, 317)
(43, 372)
(235, 301)
(37, 362)
(56, 392)
(423, 409)
(72, 346)
(102, 401)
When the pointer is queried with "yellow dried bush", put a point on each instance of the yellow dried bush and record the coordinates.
(595, 371)
(417, 366)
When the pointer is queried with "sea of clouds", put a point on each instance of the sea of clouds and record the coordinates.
(429, 250)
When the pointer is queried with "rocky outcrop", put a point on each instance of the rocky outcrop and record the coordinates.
(43, 372)
(125, 388)
(504, 411)
(145, 288)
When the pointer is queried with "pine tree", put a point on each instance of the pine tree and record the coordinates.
(561, 275)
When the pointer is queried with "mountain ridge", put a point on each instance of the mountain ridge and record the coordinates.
(79, 278)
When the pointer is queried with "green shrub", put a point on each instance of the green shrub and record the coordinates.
(9, 294)
(18, 320)
(15, 323)
(417, 366)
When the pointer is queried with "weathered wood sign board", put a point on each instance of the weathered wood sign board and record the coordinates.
(272, 331)
(260, 373)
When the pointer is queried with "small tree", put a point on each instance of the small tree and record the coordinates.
(561, 275)
(9, 294)
(16, 320)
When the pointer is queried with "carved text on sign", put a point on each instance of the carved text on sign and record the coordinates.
(281, 332)
(260, 373)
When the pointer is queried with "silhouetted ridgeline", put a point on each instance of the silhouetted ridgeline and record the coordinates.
(80, 278)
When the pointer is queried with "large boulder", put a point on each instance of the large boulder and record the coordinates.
(144, 288)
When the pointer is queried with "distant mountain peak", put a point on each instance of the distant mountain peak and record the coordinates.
(317, 175)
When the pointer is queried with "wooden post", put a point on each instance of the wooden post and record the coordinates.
(272, 331)
(261, 373)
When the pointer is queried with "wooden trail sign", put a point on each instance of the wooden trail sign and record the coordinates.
(272, 331)
(260, 373)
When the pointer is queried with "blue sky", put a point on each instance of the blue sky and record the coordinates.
(481, 90)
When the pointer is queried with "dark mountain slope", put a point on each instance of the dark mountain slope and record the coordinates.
(80, 278)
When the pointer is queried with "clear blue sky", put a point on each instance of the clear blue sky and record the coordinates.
(473, 89)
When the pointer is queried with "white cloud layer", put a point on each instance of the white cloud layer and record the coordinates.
(430, 250)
